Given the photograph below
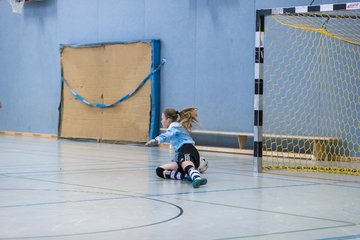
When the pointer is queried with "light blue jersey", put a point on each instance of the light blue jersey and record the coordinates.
(176, 135)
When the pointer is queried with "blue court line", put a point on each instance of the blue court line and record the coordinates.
(181, 211)
(38, 153)
(261, 175)
(62, 202)
(275, 212)
(307, 183)
(284, 232)
(82, 171)
(166, 194)
(285, 179)
(343, 223)
(335, 183)
(169, 194)
(340, 185)
(356, 236)
(205, 191)
(126, 193)
(233, 189)
(54, 152)
(137, 167)
(182, 193)
(348, 224)
(287, 174)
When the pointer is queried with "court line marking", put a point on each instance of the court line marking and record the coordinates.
(174, 194)
(344, 223)
(207, 191)
(356, 236)
(178, 193)
(180, 213)
(270, 211)
(284, 232)
(334, 182)
(234, 189)
(242, 170)
(128, 196)
(316, 178)
(80, 171)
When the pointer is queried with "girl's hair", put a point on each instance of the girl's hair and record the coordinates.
(186, 117)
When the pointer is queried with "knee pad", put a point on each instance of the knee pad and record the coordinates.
(160, 172)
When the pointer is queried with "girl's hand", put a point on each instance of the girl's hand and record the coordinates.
(152, 142)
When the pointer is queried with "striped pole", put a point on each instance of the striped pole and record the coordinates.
(258, 97)
(304, 9)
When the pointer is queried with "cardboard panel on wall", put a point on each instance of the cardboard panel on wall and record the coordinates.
(104, 74)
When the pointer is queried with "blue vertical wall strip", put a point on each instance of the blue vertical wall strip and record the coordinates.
(155, 91)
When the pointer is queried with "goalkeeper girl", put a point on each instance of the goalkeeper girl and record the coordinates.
(187, 159)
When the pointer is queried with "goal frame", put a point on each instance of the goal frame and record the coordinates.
(259, 64)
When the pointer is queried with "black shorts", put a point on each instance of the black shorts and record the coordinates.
(188, 152)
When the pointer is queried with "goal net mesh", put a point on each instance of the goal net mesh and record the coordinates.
(312, 92)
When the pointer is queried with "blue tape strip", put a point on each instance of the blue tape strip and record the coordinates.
(127, 96)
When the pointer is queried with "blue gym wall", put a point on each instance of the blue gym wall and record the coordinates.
(208, 44)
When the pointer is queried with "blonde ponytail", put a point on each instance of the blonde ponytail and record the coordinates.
(186, 117)
(189, 117)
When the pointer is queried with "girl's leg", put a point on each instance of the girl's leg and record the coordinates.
(193, 173)
(189, 159)
(170, 171)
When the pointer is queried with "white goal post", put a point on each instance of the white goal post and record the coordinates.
(307, 89)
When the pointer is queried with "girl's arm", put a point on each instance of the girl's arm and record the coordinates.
(164, 137)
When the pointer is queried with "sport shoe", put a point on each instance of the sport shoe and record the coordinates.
(188, 178)
(198, 182)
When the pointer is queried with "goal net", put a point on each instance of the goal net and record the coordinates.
(311, 91)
